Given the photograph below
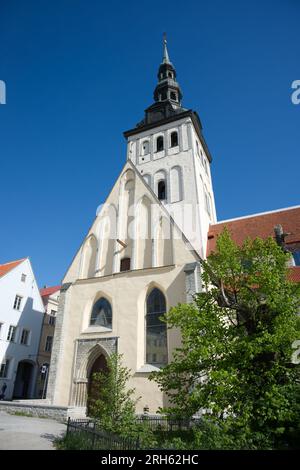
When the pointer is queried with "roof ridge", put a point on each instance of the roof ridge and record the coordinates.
(258, 214)
(14, 261)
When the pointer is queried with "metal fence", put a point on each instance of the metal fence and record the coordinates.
(167, 424)
(88, 437)
(86, 434)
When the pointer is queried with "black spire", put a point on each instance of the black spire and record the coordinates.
(167, 93)
(167, 88)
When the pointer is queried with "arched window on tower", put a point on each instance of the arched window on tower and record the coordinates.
(159, 143)
(145, 147)
(173, 96)
(174, 139)
(161, 190)
(101, 313)
(156, 330)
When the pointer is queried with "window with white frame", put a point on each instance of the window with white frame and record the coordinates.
(11, 336)
(4, 367)
(48, 345)
(205, 166)
(202, 158)
(207, 201)
(17, 302)
(25, 337)
(23, 278)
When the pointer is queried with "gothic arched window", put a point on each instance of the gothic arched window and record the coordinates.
(159, 143)
(174, 139)
(161, 190)
(101, 313)
(156, 329)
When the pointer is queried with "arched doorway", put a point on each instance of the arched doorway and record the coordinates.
(23, 382)
(99, 365)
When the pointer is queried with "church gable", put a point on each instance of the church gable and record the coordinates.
(132, 230)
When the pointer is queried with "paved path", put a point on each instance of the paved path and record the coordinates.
(23, 433)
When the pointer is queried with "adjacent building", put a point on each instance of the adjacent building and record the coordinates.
(21, 317)
(50, 297)
(282, 224)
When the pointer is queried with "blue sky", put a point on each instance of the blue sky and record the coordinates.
(80, 72)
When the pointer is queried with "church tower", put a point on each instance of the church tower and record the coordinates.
(168, 149)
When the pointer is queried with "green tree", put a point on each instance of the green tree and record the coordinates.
(114, 406)
(235, 358)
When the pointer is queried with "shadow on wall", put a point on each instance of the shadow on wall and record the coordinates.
(22, 352)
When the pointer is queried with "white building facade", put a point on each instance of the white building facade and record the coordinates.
(21, 317)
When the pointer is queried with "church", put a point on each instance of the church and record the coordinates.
(142, 254)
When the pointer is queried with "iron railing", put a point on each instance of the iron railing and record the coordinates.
(90, 437)
(167, 424)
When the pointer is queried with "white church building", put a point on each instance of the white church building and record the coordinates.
(140, 257)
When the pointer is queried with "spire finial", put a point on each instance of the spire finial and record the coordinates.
(166, 59)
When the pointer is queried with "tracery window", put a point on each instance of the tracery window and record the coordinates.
(156, 329)
(102, 313)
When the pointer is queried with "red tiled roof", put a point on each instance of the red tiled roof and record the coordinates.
(49, 290)
(294, 274)
(261, 225)
(5, 268)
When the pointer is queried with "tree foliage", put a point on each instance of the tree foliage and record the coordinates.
(114, 406)
(235, 358)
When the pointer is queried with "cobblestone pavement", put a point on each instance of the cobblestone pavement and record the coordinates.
(25, 433)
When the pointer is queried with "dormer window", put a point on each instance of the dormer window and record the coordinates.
(159, 143)
(161, 190)
(174, 139)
